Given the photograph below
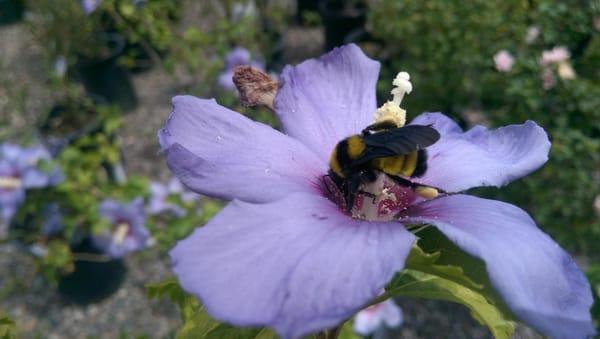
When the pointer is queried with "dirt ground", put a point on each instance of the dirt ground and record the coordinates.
(36, 307)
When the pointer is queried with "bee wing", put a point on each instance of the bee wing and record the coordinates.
(397, 141)
(403, 140)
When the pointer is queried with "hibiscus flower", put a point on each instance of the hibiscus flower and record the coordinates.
(283, 254)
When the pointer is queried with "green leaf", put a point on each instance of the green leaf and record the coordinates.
(426, 262)
(347, 332)
(197, 324)
(7, 327)
(437, 269)
(413, 283)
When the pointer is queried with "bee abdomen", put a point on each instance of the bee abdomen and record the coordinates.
(345, 152)
(421, 167)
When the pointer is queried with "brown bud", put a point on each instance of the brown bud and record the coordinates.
(255, 86)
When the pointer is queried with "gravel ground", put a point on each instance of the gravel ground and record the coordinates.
(36, 307)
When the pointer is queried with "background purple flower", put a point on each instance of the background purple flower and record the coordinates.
(127, 233)
(386, 313)
(19, 171)
(90, 6)
(236, 57)
(285, 256)
(159, 194)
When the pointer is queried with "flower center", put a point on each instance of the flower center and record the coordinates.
(380, 200)
(10, 182)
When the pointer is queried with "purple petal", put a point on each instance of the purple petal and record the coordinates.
(218, 152)
(538, 280)
(322, 101)
(298, 264)
(481, 157)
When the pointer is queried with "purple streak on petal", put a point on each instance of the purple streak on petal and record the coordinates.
(538, 280)
(131, 214)
(218, 152)
(298, 264)
(481, 157)
(321, 101)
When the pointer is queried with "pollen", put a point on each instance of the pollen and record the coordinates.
(427, 192)
(391, 110)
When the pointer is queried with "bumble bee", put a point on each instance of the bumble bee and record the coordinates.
(381, 147)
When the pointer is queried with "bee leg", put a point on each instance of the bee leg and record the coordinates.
(354, 183)
(424, 191)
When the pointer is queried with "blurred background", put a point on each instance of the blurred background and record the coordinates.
(88, 209)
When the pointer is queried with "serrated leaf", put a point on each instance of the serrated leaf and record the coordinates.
(427, 262)
(413, 283)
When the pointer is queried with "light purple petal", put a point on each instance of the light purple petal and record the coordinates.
(322, 101)
(481, 157)
(538, 280)
(298, 264)
(218, 152)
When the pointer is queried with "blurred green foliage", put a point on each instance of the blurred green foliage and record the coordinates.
(448, 48)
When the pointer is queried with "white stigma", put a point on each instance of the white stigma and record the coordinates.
(402, 86)
(391, 110)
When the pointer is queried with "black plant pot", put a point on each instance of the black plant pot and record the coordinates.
(303, 6)
(10, 11)
(104, 76)
(68, 122)
(139, 60)
(340, 18)
(91, 281)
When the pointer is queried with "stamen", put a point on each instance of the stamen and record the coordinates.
(391, 110)
(10, 182)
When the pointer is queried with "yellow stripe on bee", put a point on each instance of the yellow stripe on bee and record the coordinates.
(390, 165)
(334, 164)
(410, 164)
(356, 146)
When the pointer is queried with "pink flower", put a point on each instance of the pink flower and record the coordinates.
(555, 56)
(503, 61)
(371, 318)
